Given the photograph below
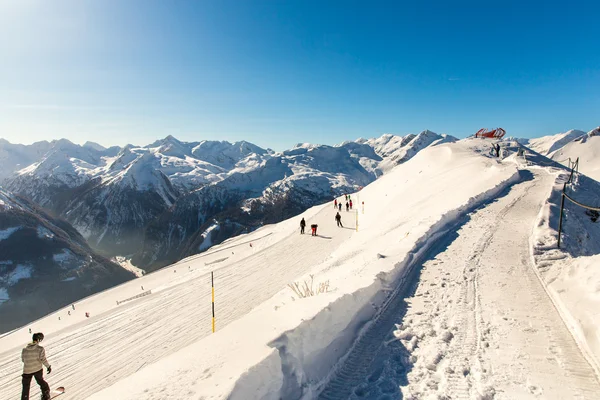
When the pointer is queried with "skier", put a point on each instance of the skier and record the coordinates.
(334, 203)
(347, 206)
(34, 357)
(351, 204)
(338, 219)
(302, 225)
(313, 227)
(340, 206)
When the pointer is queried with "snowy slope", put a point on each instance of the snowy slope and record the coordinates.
(44, 263)
(14, 157)
(546, 145)
(571, 273)
(585, 147)
(154, 201)
(248, 276)
(448, 214)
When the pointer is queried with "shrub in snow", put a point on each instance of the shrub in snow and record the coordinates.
(306, 288)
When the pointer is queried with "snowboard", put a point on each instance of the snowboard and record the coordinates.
(57, 392)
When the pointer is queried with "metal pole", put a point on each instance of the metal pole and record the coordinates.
(212, 284)
(562, 205)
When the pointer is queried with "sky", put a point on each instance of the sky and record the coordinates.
(277, 73)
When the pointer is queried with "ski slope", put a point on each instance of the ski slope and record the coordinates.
(463, 215)
(478, 325)
(178, 308)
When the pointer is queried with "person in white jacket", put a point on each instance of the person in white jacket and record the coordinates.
(34, 358)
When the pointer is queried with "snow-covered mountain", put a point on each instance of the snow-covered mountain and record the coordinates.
(546, 145)
(157, 201)
(572, 144)
(14, 157)
(407, 300)
(44, 263)
(586, 147)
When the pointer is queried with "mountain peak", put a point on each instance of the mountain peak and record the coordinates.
(94, 146)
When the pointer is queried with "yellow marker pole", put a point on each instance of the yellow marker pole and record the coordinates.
(212, 284)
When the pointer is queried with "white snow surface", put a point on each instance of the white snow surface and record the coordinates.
(44, 232)
(207, 242)
(452, 220)
(20, 272)
(546, 145)
(5, 233)
(587, 149)
(571, 273)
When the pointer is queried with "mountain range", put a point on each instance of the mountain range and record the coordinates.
(159, 203)
(155, 202)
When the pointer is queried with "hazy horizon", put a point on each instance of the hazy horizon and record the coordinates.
(280, 73)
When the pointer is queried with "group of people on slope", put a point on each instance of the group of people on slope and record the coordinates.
(338, 205)
(338, 217)
(313, 227)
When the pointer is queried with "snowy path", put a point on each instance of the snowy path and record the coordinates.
(476, 324)
(118, 343)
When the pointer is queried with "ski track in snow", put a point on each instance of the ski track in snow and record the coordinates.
(138, 329)
(481, 328)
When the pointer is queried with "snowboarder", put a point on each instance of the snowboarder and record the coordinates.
(351, 204)
(34, 358)
(347, 206)
(340, 206)
(338, 219)
(302, 225)
(334, 203)
(313, 227)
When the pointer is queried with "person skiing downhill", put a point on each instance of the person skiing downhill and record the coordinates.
(338, 219)
(34, 358)
(302, 225)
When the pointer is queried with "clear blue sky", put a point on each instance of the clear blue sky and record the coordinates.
(280, 72)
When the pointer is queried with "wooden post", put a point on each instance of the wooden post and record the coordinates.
(212, 284)
(562, 205)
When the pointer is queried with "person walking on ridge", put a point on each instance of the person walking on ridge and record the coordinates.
(302, 225)
(34, 358)
(334, 203)
(351, 204)
(347, 206)
(340, 206)
(338, 219)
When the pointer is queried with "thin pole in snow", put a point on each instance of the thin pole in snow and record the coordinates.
(562, 205)
(212, 285)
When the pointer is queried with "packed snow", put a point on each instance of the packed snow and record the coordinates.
(430, 290)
